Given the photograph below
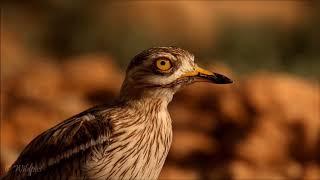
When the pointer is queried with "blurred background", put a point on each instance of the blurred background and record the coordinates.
(59, 58)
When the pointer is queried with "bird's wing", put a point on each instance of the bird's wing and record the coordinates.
(64, 141)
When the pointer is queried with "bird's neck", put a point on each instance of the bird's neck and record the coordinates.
(140, 97)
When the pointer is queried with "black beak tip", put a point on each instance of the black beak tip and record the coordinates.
(221, 79)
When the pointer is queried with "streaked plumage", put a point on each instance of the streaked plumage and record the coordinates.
(128, 139)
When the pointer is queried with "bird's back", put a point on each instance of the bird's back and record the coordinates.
(60, 151)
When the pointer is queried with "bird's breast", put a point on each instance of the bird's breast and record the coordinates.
(137, 150)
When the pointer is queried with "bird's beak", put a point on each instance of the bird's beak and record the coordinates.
(204, 75)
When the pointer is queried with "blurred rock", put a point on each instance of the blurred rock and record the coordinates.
(291, 99)
(184, 118)
(266, 145)
(14, 55)
(174, 172)
(41, 81)
(69, 104)
(29, 122)
(232, 108)
(8, 137)
(242, 170)
(9, 144)
(299, 101)
(7, 156)
(2, 169)
(312, 171)
(186, 142)
(258, 95)
(294, 170)
(92, 73)
(3, 102)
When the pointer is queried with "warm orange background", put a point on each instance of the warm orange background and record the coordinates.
(58, 59)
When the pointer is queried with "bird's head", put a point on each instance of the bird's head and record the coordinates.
(161, 71)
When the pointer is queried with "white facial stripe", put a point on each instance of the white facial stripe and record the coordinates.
(165, 55)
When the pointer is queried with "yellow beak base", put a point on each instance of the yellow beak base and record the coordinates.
(206, 75)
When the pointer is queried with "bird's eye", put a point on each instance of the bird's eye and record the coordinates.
(163, 64)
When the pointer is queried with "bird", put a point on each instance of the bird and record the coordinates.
(127, 139)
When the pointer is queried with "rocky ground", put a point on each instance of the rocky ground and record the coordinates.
(265, 125)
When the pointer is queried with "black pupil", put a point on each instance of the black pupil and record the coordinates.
(162, 63)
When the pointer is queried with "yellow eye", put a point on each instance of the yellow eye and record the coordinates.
(163, 64)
